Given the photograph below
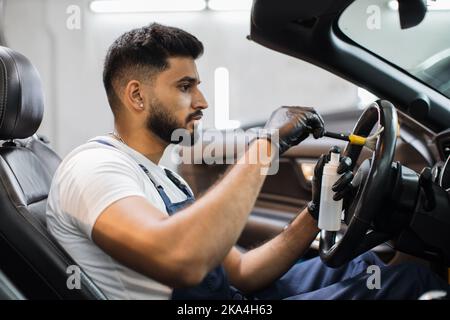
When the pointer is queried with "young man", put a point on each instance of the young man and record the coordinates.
(134, 227)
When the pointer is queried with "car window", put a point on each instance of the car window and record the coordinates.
(423, 50)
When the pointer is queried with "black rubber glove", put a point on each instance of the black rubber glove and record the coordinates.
(316, 182)
(346, 188)
(294, 124)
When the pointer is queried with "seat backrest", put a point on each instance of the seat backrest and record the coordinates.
(30, 257)
(8, 291)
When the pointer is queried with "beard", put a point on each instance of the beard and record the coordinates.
(163, 124)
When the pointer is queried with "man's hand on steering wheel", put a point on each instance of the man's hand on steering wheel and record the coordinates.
(294, 124)
(342, 187)
(346, 186)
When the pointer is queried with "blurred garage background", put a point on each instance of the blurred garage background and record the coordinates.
(67, 41)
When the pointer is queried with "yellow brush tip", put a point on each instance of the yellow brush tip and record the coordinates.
(358, 140)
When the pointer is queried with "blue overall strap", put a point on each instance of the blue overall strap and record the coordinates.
(104, 142)
(170, 207)
(159, 188)
(178, 183)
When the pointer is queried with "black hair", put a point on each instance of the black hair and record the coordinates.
(142, 53)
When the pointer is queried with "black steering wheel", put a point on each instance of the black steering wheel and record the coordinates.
(375, 174)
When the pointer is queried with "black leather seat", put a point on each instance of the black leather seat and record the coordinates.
(30, 257)
(8, 291)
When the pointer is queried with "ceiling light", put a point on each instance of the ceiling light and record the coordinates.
(230, 5)
(393, 5)
(222, 101)
(438, 5)
(136, 6)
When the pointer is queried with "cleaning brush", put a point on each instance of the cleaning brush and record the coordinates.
(369, 142)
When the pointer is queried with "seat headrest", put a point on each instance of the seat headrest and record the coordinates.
(21, 97)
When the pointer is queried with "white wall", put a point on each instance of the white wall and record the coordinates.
(70, 63)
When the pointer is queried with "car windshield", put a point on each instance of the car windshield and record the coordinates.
(423, 50)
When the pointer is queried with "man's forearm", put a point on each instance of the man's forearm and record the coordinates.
(265, 264)
(213, 223)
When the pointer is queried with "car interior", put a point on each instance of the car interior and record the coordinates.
(401, 211)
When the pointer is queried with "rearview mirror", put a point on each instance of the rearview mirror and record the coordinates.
(411, 12)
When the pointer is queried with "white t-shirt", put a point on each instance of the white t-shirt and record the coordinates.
(88, 180)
